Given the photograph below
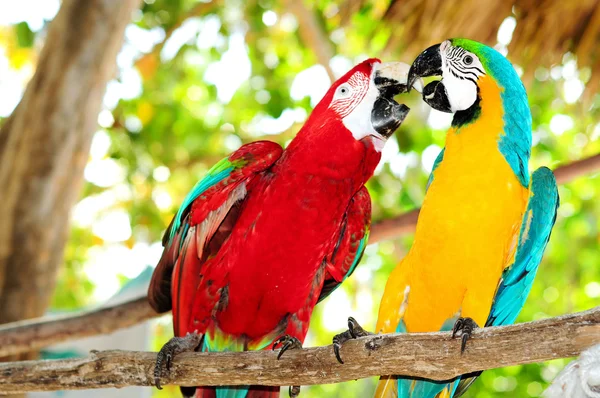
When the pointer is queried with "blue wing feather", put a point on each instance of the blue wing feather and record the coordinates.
(535, 232)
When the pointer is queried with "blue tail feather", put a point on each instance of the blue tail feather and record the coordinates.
(411, 388)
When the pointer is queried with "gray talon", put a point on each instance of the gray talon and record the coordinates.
(175, 346)
(465, 326)
(287, 342)
(354, 331)
(294, 391)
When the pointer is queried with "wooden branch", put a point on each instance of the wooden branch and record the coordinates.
(429, 355)
(19, 337)
(568, 172)
(31, 335)
(395, 226)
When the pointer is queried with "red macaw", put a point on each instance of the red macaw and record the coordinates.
(269, 232)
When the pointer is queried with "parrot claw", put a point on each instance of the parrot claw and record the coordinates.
(294, 391)
(465, 327)
(175, 346)
(287, 342)
(354, 331)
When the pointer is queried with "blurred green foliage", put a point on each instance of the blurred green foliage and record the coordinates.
(165, 124)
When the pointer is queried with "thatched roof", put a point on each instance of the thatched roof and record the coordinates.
(545, 30)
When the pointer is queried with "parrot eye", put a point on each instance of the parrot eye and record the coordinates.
(343, 91)
(468, 60)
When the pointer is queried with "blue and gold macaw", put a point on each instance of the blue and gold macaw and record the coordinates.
(484, 223)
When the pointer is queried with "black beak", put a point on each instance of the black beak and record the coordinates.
(436, 96)
(387, 115)
(429, 63)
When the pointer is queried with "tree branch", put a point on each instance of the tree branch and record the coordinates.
(568, 172)
(31, 335)
(395, 226)
(429, 355)
(19, 337)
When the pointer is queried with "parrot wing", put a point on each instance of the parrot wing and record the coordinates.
(205, 219)
(536, 227)
(354, 234)
(517, 279)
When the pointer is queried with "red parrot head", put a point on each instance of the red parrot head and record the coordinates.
(348, 128)
(363, 102)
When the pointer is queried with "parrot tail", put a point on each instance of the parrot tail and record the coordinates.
(399, 387)
(235, 392)
(217, 341)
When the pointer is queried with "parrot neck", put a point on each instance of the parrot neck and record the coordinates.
(469, 115)
(327, 148)
(499, 119)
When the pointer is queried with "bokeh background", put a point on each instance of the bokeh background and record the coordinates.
(198, 79)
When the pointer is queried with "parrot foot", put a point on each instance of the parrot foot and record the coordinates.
(464, 327)
(354, 331)
(288, 342)
(294, 391)
(175, 346)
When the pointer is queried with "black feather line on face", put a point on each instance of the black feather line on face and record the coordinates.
(459, 69)
(456, 74)
(464, 71)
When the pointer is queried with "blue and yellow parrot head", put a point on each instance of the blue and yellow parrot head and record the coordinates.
(462, 64)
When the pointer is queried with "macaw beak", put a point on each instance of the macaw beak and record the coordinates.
(429, 63)
(395, 75)
(391, 79)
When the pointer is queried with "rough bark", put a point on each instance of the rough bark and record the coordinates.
(429, 355)
(44, 147)
(20, 337)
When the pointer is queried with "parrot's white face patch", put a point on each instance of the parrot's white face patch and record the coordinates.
(353, 101)
(460, 70)
(349, 94)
